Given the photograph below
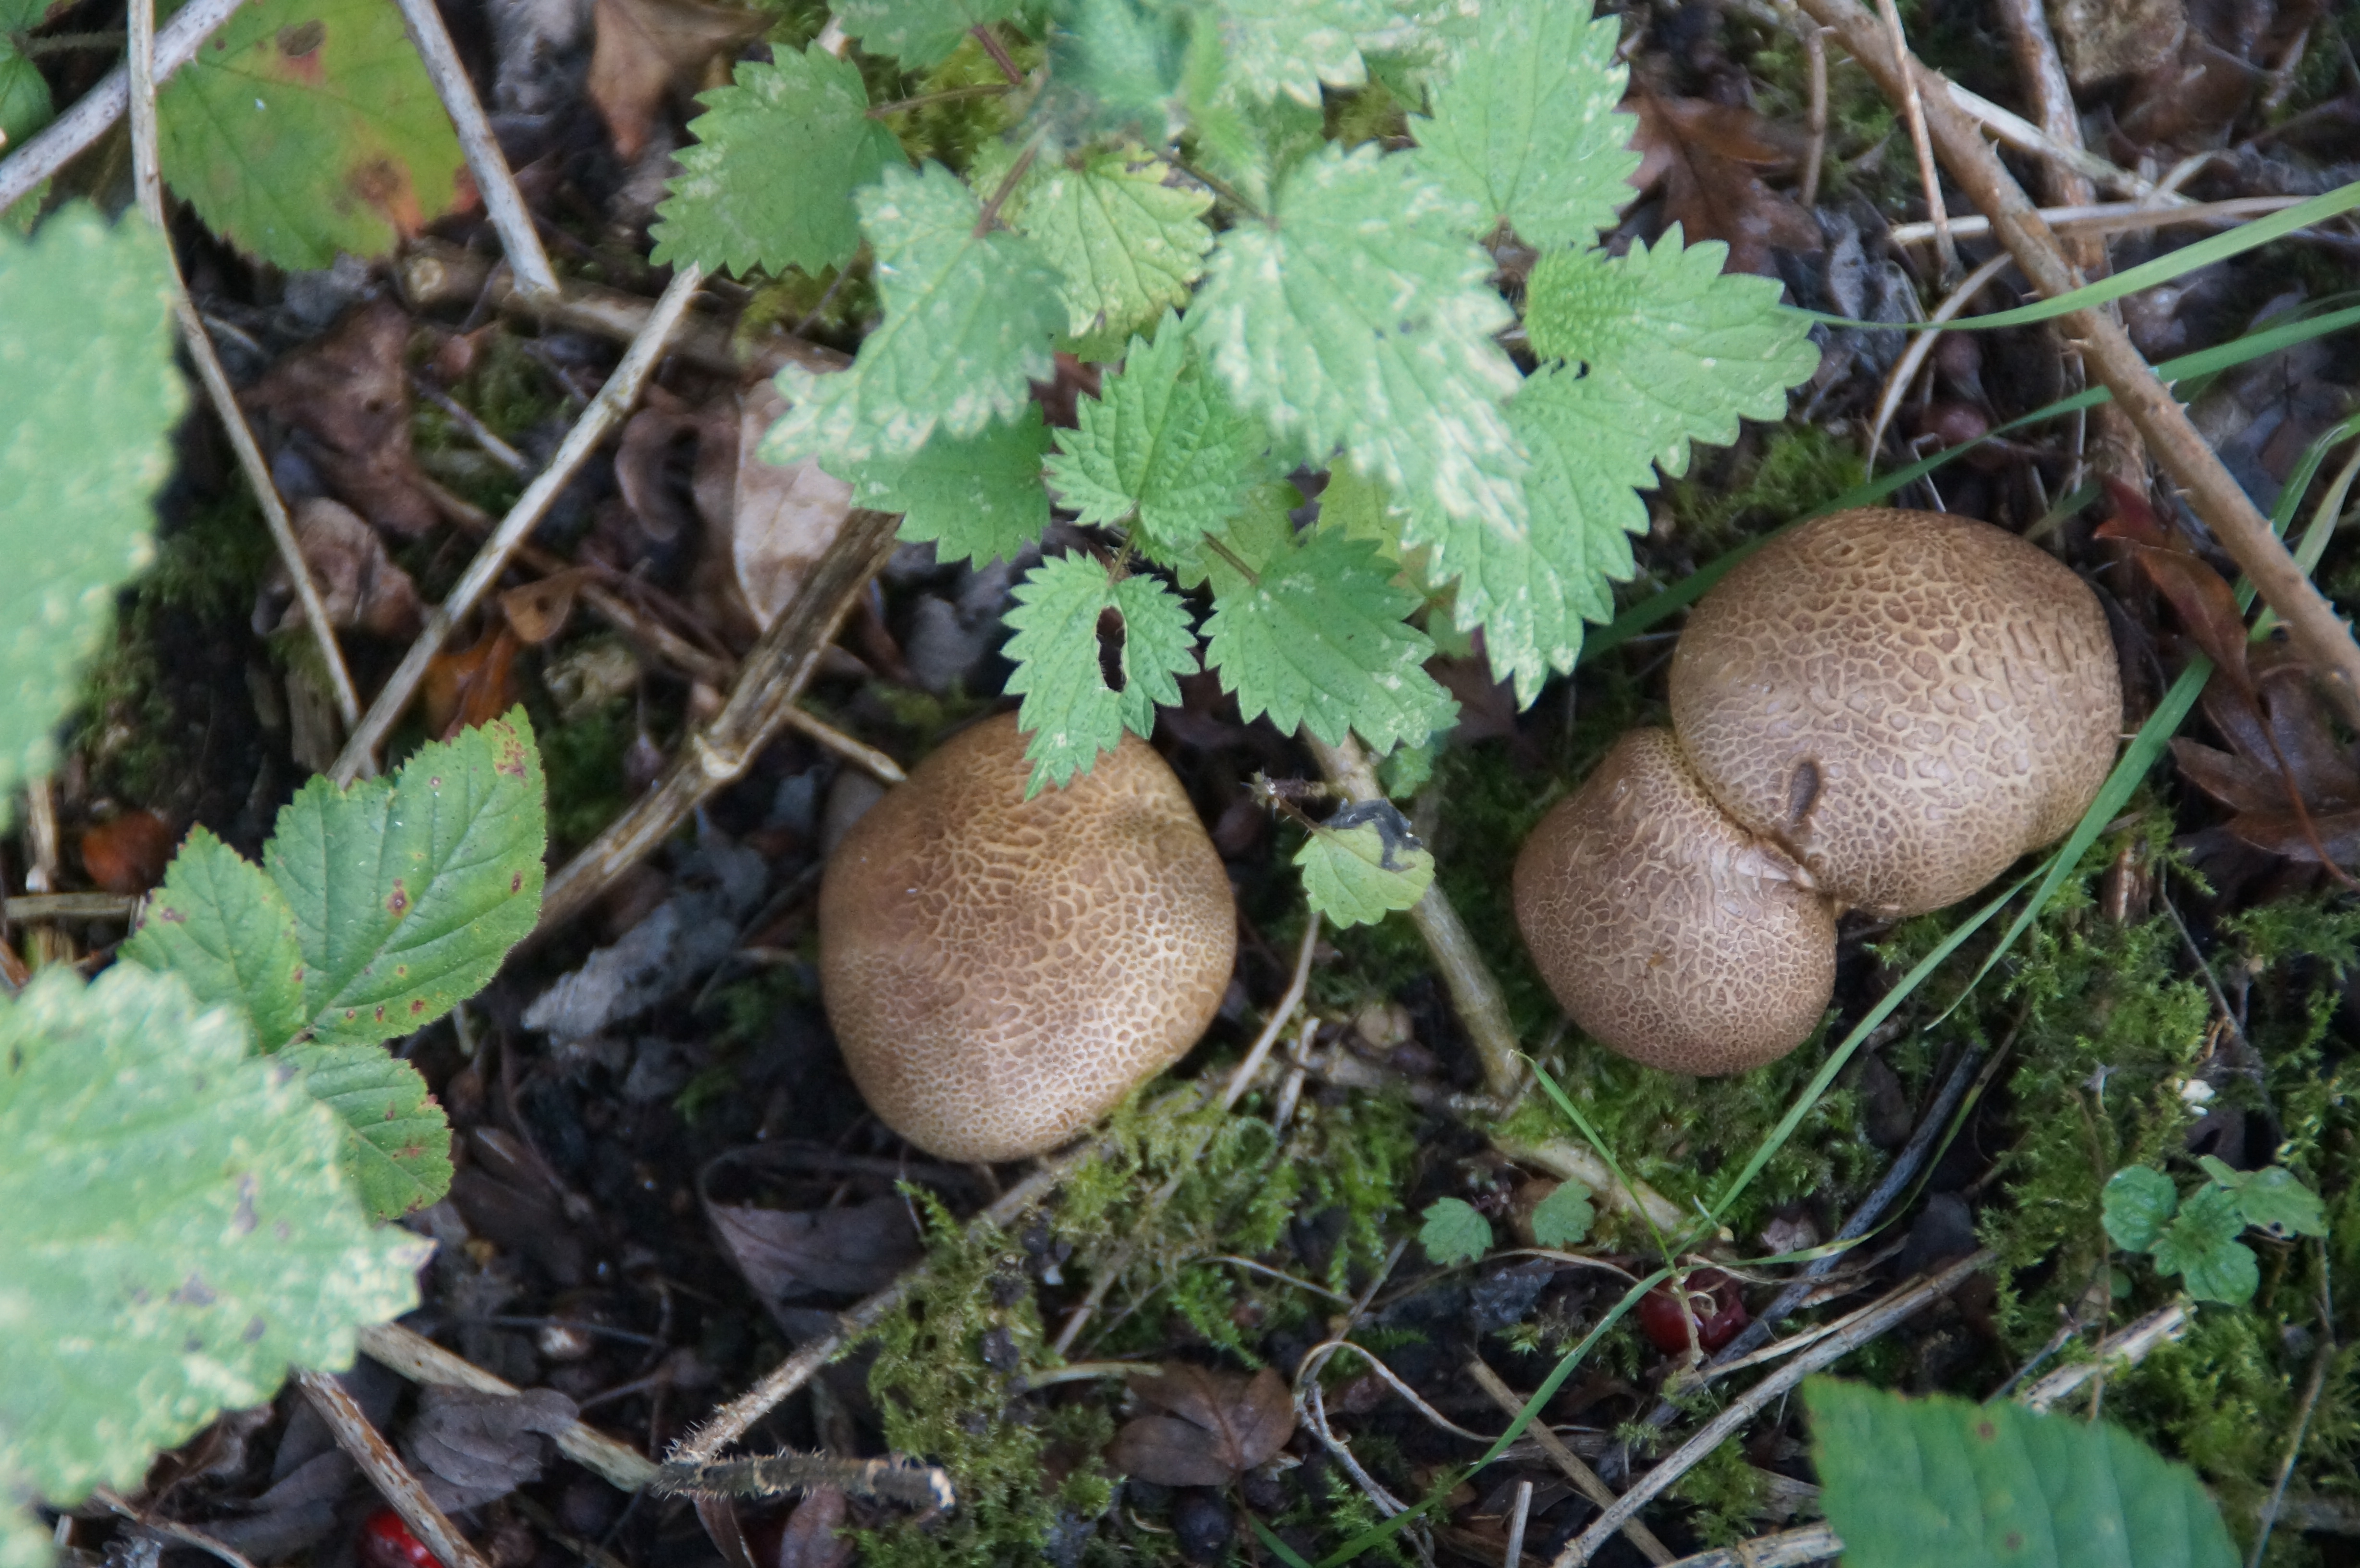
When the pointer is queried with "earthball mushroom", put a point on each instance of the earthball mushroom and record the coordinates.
(1001, 971)
(1879, 709)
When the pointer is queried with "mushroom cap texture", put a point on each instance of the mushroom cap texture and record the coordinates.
(1668, 932)
(1001, 972)
(1905, 702)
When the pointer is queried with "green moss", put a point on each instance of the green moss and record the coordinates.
(1795, 468)
(584, 760)
(1726, 1493)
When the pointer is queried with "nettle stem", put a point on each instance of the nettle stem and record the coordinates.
(1226, 553)
(947, 96)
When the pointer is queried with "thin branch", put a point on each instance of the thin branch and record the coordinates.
(1896, 1309)
(172, 1529)
(606, 410)
(1914, 111)
(1280, 1013)
(1787, 1549)
(1585, 1480)
(2321, 1358)
(95, 112)
(2319, 634)
(1921, 347)
(377, 1461)
(2113, 218)
(148, 182)
(421, 1360)
(947, 96)
(1513, 1556)
(27, 908)
(2127, 1348)
(502, 202)
(989, 39)
(2043, 70)
(2025, 136)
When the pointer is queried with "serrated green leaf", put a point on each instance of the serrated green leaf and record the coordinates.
(1293, 47)
(25, 105)
(1524, 124)
(2200, 1245)
(966, 331)
(88, 398)
(306, 127)
(1121, 61)
(1319, 641)
(1678, 348)
(179, 1231)
(1362, 864)
(1941, 1482)
(1261, 529)
(1361, 316)
(978, 498)
(2137, 1204)
(221, 925)
(2276, 1199)
(396, 1143)
(918, 33)
(1129, 245)
(1069, 709)
(408, 894)
(1160, 446)
(770, 179)
(1454, 1231)
(1564, 1217)
(1247, 143)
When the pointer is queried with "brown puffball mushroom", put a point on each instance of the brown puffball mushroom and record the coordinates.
(1907, 701)
(1001, 972)
(1668, 933)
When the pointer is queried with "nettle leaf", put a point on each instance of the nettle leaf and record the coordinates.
(978, 497)
(778, 155)
(221, 925)
(1524, 126)
(1160, 446)
(1064, 640)
(1455, 1231)
(1678, 348)
(2273, 1197)
(1360, 315)
(189, 1235)
(2200, 1245)
(397, 1146)
(918, 33)
(1565, 1217)
(1363, 863)
(1123, 59)
(1293, 47)
(2138, 1202)
(1247, 143)
(1319, 641)
(307, 128)
(1129, 245)
(1942, 1483)
(408, 893)
(88, 398)
(966, 331)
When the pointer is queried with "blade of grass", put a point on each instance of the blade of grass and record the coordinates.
(1572, 1113)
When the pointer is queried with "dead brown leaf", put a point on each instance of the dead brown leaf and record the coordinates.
(1709, 158)
(2205, 603)
(360, 587)
(647, 49)
(129, 853)
(1220, 1425)
(473, 686)
(2292, 788)
(788, 1254)
(781, 519)
(347, 394)
(537, 611)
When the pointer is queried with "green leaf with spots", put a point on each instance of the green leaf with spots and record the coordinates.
(396, 1143)
(918, 33)
(1363, 863)
(88, 398)
(1130, 244)
(1294, 46)
(1942, 1483)
(978, 497)
(1454, 1231)
(408, 893)
(778, 157)
(221, 925)
(1073, 619)
(305, 127)
(178, 1233)
(966, 329)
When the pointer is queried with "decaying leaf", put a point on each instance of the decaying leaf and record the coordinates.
(647, 49)
(2294, 788)
(473, 685)
(765, 524)
(1220, 1425)
(128, 853)
(789, 1253)
(2203, 600)
(470, 1448)
(360, 587)
(347, 399)
(1711, 159)
(537, 611)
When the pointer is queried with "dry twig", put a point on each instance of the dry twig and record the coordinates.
(421, 1360)
(386, 1472)
(1585, 1480)
(1787, 1549)
(95, 112)
(502, 202)
(2127, 1348)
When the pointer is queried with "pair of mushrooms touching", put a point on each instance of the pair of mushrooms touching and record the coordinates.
(1880, 709)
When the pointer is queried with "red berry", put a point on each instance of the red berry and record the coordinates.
(386, 1542)
(1711, 1304)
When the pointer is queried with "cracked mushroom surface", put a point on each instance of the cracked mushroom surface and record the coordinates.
(1001, 972)
(1907, 701)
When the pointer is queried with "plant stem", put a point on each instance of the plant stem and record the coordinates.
(947, 96)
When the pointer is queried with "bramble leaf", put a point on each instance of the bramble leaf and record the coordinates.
(1942, 1483)
(1360, 315)
(1679, 349)
(181, 1234)
(2138, 1202)
(397, 1143)
(966, 331)
(1455, 1231)
(408, 894)
(918, 33)
(979, 497)
(1160, 445)
(1564, 1217)
(1319, 641)
(307, 128)
(1524, 128)
(770, 179)
(221, 925)
(2200, 1245)
(1293, 47)
(88, 398)
(1363, 863)
(1129, 245)
(1070, 710)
